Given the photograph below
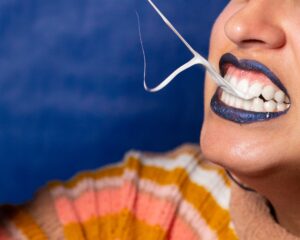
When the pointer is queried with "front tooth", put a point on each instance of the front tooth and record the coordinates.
(226, 98)
(247, 105)
(270, 106)
(256, 89)
(243, 86)
(238, 103)
(231, 101)
(233, 81)
(268, 92)
(279, 96)
(258, 105)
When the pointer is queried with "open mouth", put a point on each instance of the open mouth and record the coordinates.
(270, 97)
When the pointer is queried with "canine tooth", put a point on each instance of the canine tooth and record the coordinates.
(279, 96)
(238, 103)
(268, 92)
(258, 105)
(281, 107)
(247, 105)
(270, 106)
(255, 89)
(243, 86)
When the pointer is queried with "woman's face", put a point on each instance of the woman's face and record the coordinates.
(261, 136)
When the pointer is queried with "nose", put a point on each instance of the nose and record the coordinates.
(256, 25)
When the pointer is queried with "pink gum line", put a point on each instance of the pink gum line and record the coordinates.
(251, 76)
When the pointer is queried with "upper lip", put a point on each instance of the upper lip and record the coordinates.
(250, 65)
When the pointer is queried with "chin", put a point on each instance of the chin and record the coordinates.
(244, 150)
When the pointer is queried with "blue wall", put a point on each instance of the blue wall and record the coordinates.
(71, 95)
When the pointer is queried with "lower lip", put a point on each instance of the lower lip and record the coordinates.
(238, 115)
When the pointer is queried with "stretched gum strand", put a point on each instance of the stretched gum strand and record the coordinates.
(197, 59)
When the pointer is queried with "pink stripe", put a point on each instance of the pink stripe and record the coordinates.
(109, 201)
(65, 211)
(154, 211)
(146, 206)
(86, 206)
(181, 230)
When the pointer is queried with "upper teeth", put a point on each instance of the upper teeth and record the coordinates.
(276, 100)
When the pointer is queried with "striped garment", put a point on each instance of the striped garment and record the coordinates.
(176, 195)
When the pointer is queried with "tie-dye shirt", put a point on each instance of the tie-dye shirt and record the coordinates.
(175, 195)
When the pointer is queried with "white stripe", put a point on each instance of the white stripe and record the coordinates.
(91, 184)
(208, 179)
(199, 225)
(170, 192)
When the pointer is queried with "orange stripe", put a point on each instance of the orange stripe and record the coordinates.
(25, 223)
(123, 225)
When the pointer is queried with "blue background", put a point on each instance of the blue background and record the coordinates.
(71, 95)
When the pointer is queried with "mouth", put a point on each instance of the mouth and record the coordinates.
(270, 97)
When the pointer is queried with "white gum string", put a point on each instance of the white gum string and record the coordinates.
(197, 59)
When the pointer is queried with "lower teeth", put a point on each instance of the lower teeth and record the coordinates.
(255, 105)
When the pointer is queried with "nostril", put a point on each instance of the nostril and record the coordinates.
(251, 42)
(255, 41)
(251, 27)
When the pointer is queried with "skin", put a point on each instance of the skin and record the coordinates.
(263, 155)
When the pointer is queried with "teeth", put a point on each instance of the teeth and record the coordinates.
(270, 106)
(268, 92)
(243, 86)
(274, 100)
(247, 105)
(233, 81)
(231, 101)
(279, 96)
(238, 103)
(258, 105)
(223, 96)
(255, 89)
(281, 106)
